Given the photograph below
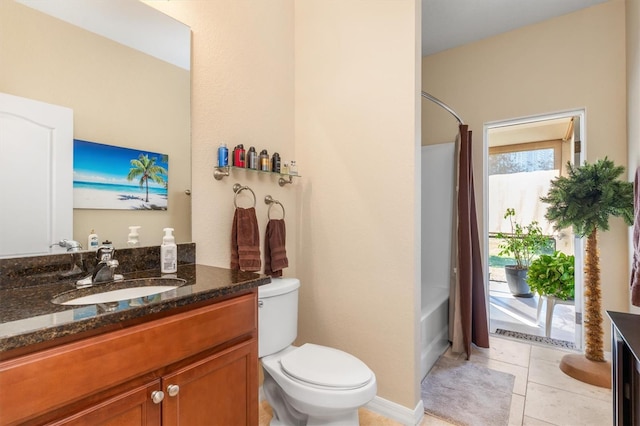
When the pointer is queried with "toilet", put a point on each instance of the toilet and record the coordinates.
(309, 384)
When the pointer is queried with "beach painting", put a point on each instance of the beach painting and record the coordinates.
(116, 178)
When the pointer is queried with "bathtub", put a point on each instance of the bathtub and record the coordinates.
(436, 233)
(434, 326)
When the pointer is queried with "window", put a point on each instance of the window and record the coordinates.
(526, 157)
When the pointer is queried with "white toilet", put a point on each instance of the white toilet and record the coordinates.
(310, 384)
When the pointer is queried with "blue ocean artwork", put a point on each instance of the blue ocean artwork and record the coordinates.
(111, 177)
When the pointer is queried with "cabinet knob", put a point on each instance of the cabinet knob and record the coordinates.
(157, 397)
(173, 390)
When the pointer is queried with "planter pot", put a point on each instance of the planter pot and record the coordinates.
(517, 280)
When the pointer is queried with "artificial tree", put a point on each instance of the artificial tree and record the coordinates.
(585, 199)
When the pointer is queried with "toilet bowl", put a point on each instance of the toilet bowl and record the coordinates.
(310, 384)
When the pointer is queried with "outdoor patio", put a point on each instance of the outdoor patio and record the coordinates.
(519, 314)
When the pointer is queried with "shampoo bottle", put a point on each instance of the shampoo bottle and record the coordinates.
(93, 241)
(168, 253)
(133, 240)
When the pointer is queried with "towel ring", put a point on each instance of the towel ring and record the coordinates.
(237, 188)
(271, 201)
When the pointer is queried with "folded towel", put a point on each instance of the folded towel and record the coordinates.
(245, 240)
(635, 266)
(275, 253)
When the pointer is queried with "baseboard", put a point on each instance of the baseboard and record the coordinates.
(397, 412)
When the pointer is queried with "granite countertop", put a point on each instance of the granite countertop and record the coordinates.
(628, 325)
(28, 317)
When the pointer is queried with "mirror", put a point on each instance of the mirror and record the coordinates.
(120, 95)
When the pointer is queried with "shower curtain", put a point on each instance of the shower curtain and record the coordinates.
(468, 313)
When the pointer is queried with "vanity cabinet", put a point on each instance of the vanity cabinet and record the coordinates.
(134, 407)
(213, 390)
(625, 354)
(196, 367)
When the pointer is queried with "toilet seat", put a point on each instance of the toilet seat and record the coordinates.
(325, 367)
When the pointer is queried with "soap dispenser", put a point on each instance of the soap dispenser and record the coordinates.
(133, 238)
(168, 253)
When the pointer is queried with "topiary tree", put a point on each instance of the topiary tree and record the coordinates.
(585, 199)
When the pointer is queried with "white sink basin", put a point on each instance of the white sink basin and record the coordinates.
(118, 291)
(118, 295)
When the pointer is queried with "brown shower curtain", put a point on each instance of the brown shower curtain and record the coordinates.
(470, 312)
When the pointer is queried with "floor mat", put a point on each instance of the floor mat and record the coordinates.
(467, 394)
(533, 338)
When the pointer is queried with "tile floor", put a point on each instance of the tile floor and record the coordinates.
(542, 394)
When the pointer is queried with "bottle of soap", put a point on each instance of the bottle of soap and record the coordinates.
(133, 239)
(93, 242)
(275, 163)
(168, 253)
(223, 155)
(293, 168)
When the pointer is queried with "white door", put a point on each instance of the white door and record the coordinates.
(36, 176)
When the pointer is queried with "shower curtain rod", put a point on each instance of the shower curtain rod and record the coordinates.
(443, 105)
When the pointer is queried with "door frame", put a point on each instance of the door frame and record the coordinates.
(578, 242)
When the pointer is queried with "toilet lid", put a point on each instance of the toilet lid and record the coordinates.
(323, 366)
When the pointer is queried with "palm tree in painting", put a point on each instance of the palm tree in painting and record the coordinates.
(146, 169)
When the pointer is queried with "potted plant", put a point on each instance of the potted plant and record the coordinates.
(523, 243)
(553, 275)
(585, 199)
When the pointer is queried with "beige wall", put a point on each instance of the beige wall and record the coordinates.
(356, 115)
(633, 96)
(570, 62)
(242, 78)
(350, 226)
(119, 97)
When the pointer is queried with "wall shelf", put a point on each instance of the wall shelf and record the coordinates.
(221, 172)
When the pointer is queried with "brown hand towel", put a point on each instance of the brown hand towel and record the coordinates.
(245, 240)
(635, 266)
(275, 253)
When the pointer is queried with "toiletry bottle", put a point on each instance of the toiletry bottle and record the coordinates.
(223, 155)
(93, 241)
(238, 156)
(293, 168)
(275, 163)
(168, 253)
(133, 238)
(285, 169)
(264, 160)
(252, 158)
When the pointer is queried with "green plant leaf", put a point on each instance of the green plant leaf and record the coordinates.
(553, 275)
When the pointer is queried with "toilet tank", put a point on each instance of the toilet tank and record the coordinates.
(277, 315)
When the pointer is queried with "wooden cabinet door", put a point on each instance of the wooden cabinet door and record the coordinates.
(220, 390)
(131, 408)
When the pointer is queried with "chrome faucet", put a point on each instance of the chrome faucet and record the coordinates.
(70, 245)
(105, 253)
(104, 271)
